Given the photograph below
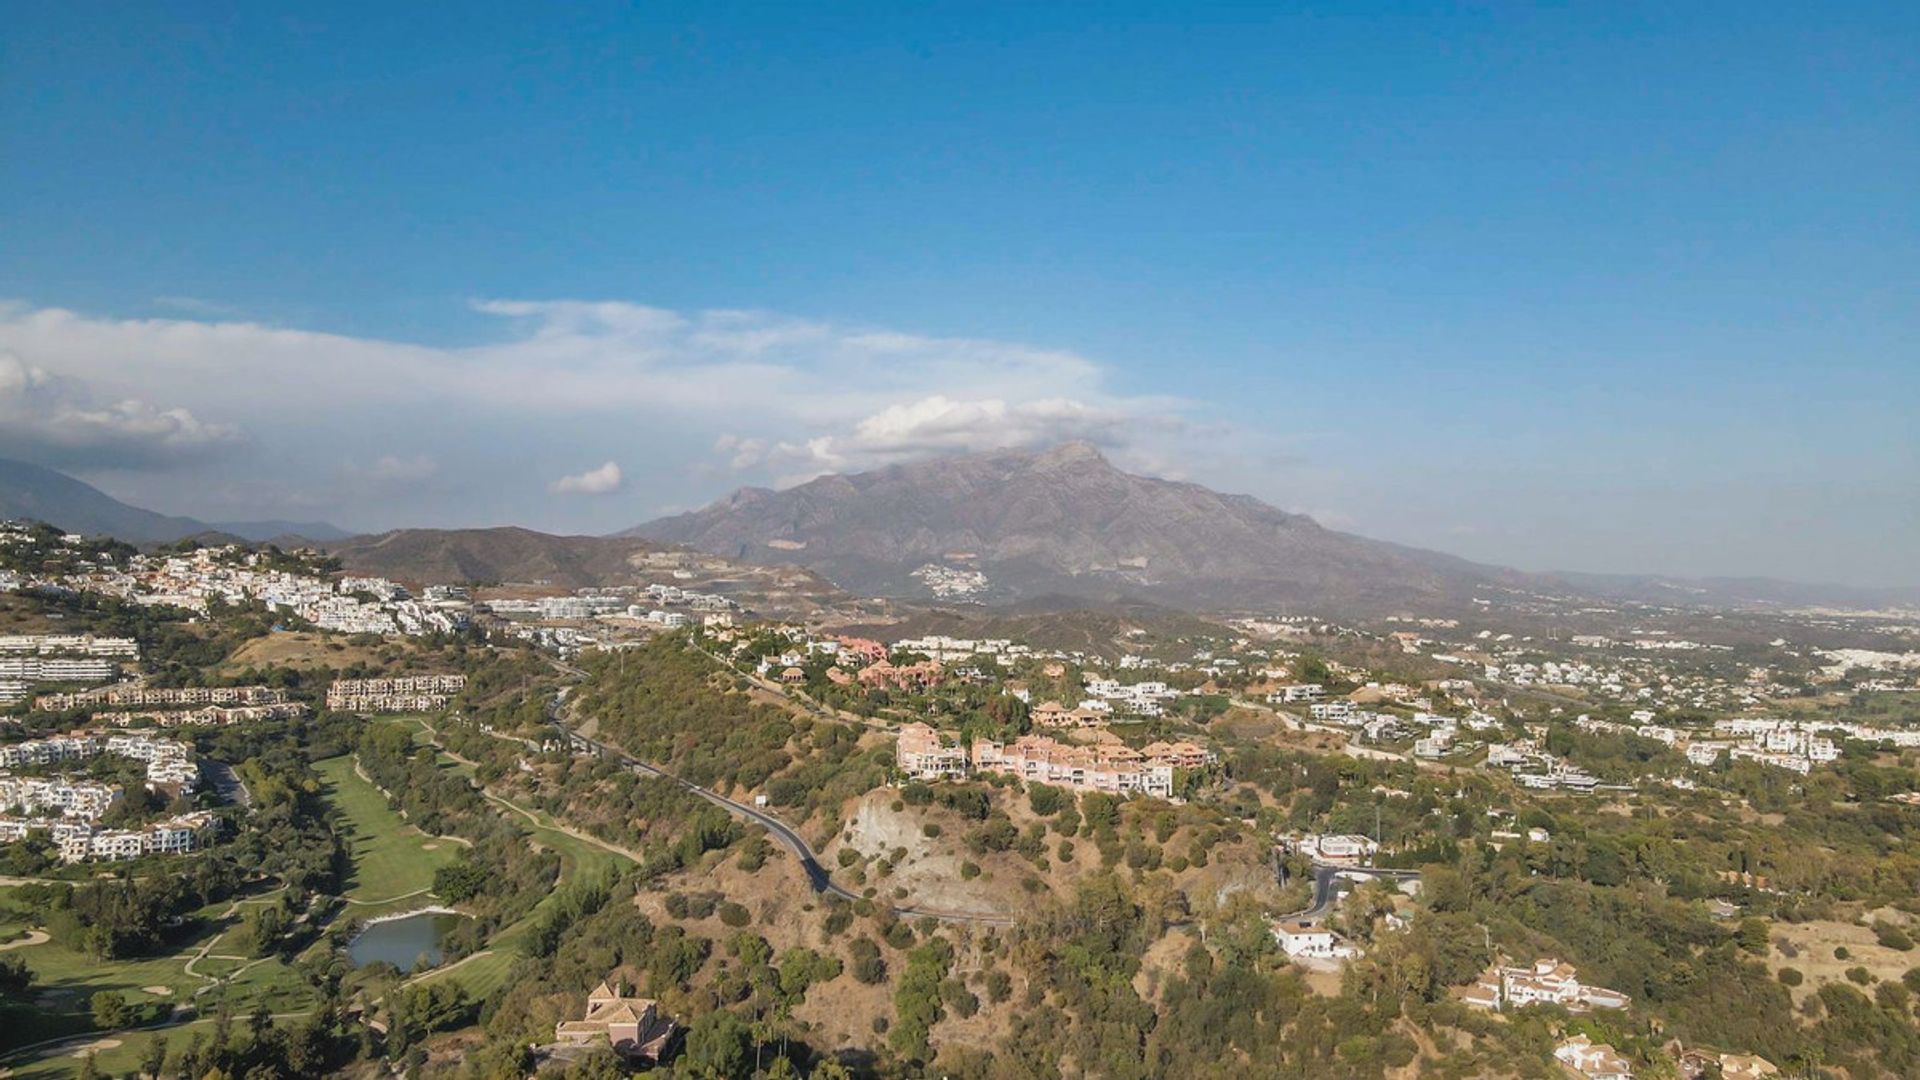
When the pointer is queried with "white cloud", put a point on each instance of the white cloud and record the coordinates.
(560, 356)
(58, 420)
(604, 480)
(777, 398)
(942, 425)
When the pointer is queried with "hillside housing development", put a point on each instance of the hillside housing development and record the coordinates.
(1115, 768)
(161, 697)
(229, 575)
(69, 809)
(177, 835)
(413, 693)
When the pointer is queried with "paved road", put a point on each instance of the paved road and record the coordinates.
(817, 875)
(1326, 891)
(229, 785)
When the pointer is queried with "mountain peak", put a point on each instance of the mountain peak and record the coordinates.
(1063, 520)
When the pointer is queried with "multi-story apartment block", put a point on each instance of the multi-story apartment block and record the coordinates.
(174, 836)
(921, 754)
(35, 796)
(417, 693)
(57, 669)
(207, 716)
(169, 764)
(1108, 768)
(162, 696)
(67, 644)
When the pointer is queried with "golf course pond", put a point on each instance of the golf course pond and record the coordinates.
(406, 941)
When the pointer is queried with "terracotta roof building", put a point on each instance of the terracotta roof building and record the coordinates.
(1109, 768)
(632, 1026)
(922, 754)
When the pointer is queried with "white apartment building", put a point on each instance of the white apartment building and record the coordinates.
(59, 669)
(1704, 753)
(65, 644)
(37, 795)
(175, 836)
(169, 763)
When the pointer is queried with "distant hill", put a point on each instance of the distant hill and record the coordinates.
(1066, 522)
(452, 556)
(42, 494)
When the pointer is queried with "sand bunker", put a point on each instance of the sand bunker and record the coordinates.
(34, 937)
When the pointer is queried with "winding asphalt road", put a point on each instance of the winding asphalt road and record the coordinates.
(1326, 877)
(817, 875)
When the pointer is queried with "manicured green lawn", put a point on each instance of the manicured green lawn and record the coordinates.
(391, 858)
(118, 1054)
(481, 975)
(65, 981)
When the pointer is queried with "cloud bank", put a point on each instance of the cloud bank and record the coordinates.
(58, 420)
(716, 397)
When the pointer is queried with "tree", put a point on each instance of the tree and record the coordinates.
(109, 1010)
(717, 1045)
(868, 967)
(153, 1060)
(1891, 936)
(599, 1065)
(16, 978)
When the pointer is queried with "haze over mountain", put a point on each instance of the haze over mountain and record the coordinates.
(1066, 521)
(43, 494)
(1048, 529)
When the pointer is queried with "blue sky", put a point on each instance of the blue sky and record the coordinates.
(1599, 287)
